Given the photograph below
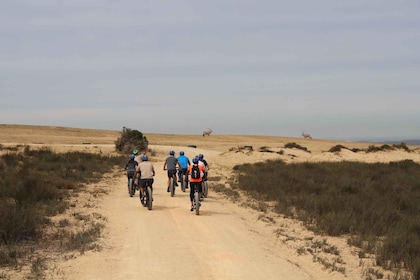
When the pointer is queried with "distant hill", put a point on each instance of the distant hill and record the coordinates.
(408, 142)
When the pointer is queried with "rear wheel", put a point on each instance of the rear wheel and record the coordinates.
(149, 199)
(206, 188)
(197, 203)
(172, 187)
(131, 188)
(183, 183)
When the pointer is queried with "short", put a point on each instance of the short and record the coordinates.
(171, 173)
(130, 174)
(146, 182)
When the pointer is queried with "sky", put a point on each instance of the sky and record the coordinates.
(346, 70)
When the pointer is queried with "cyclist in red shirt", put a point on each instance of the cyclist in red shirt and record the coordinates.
(195, 182)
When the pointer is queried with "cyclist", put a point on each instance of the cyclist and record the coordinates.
(184, 162)
(204, 162)
(195, 183)
(170, 164)
(130, 166)
(146, 171)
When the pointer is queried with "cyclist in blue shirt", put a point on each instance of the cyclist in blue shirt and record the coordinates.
(184, 162)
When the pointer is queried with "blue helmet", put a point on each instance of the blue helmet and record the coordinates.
(200, 156)
(132, 157)
(195, 160)
(181, 153)
(144, 158)
(172, 153)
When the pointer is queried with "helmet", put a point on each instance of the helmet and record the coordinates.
(172, 153)
(144, 158)
(135, 152)
(181, 153)
(200, 156)
(132, 157)
(195, 160)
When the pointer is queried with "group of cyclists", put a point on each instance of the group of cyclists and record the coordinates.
(142, 170)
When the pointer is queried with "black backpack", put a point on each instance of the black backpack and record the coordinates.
(195, 172)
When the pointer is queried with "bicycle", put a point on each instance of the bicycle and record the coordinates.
(147, 201)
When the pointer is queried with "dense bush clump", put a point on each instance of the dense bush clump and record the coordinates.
(369, 201)
(131, 140)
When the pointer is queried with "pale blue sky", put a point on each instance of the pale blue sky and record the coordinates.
(335, 69)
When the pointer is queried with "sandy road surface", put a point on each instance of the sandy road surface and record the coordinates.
(170, 242)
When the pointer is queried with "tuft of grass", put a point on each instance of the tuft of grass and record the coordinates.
(83, 239)
(376, 203)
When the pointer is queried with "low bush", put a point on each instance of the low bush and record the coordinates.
(35, 185)
(130, 140)
(367, 200)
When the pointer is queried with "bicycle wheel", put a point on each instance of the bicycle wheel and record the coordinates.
(133, 189)
(197, 202)
(206, 188)
(183, 183)
(172, 187)
(149, 198)
(142, 202)
(130, 187)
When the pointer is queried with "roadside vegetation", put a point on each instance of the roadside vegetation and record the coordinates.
(130, 140)
(376, 205)
(36, 185)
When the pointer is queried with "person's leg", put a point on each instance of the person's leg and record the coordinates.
(192, 195)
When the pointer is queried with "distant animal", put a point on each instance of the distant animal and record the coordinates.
(207, 132)
(306, 135)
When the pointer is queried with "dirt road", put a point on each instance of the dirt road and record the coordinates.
(169, 242)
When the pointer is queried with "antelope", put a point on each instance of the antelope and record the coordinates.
(306, 135)
(207, 132)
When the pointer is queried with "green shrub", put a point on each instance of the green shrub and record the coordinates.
(131, 140)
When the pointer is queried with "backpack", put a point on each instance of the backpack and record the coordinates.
(195, 172)
(131, 165)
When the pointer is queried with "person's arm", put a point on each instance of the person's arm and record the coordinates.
(164, 166)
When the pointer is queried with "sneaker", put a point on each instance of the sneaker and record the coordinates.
(167, 189)
(192, 208)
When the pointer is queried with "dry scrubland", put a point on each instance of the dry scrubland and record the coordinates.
(225, 153)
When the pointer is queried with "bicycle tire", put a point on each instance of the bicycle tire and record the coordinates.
(183, 183)
(130, 187)
(197, 203)
(206, 188)
(149, 198)
(172, 187)
(133, 189)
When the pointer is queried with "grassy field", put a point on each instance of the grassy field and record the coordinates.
(375, 204)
